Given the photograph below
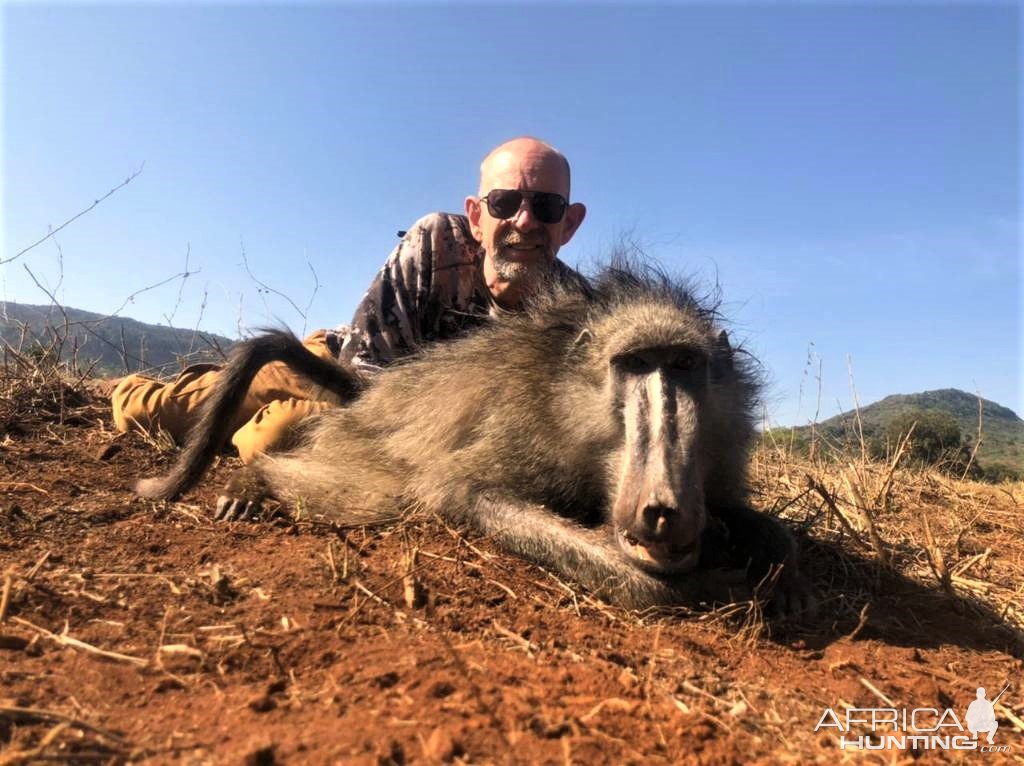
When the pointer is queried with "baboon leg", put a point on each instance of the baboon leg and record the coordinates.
(767, 548)
(212, 426)
(590, 558)
(243, 497)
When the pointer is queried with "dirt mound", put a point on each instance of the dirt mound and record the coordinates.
(133, 630)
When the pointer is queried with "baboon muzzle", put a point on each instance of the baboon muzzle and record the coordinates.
(658, 510)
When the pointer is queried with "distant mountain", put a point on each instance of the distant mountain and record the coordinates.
(115, 344)
(1002, 431)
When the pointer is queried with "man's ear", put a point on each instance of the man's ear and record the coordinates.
(573, 218)
(473, 214)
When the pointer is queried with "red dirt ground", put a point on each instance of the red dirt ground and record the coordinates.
(284, 643)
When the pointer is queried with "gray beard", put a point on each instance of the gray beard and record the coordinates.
(516, 272)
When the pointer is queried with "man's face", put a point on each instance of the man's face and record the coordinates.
(521, 249)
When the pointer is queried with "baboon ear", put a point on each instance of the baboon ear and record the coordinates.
(723, 354)
(583, 338)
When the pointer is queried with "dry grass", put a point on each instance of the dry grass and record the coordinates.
(35, 391)
(959, 537)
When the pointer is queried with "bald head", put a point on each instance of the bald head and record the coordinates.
(525, 156)
(520, 247)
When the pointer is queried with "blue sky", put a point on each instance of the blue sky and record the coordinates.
(849, 173)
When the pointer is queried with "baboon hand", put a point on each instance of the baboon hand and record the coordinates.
(790, 596)
(713, 586)
(772, 560)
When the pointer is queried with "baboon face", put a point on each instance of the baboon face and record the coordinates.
(658, 508)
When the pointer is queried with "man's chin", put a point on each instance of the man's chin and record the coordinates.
(522, 265)
(522, 276)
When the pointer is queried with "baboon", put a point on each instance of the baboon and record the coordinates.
(602, 434)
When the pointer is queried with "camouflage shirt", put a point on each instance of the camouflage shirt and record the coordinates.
(430, 288)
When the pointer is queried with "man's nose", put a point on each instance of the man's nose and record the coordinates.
(524, 219)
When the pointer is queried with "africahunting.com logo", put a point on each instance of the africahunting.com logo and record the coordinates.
(925, 728)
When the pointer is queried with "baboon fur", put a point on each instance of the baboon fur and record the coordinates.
(520, 432)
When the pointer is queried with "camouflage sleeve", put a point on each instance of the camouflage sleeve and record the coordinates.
(396, 315)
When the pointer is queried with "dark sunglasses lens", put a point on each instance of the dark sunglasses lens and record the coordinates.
(548, 207)
(504, 203)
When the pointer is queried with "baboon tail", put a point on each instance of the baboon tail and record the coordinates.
(215, 416)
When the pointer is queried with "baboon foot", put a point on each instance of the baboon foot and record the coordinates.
(237, 509)
(244, 498)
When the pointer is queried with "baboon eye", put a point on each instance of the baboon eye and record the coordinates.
(633, 363)
(686, 361)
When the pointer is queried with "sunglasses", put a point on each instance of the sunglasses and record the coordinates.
(547, 207)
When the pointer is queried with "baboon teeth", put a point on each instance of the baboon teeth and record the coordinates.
(658, 556)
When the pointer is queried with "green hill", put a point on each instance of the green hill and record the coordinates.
(1002, 439)
(113, 345)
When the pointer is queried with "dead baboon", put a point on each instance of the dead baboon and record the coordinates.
(603, 435)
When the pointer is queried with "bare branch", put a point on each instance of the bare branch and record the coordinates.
(979, 439)
(74, 218)
(131, 298)
(60, 266)
(181, 287)
(316, 289)
(89, 325)
(199, 319)
(268, 289)
(53, 299)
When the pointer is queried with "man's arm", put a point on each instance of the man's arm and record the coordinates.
(433, 269)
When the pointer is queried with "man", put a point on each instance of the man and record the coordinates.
(981, 716)
(447, 275)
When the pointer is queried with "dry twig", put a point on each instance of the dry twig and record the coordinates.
(65, 640)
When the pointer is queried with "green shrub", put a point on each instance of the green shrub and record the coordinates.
(936, 435)
(996, 473)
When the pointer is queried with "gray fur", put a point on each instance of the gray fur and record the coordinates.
(516, 432)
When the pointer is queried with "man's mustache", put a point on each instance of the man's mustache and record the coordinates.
(519, 241)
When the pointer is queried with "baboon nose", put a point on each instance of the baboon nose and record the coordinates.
(656, 521)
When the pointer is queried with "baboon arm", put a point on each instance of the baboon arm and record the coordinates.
(589, 558)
